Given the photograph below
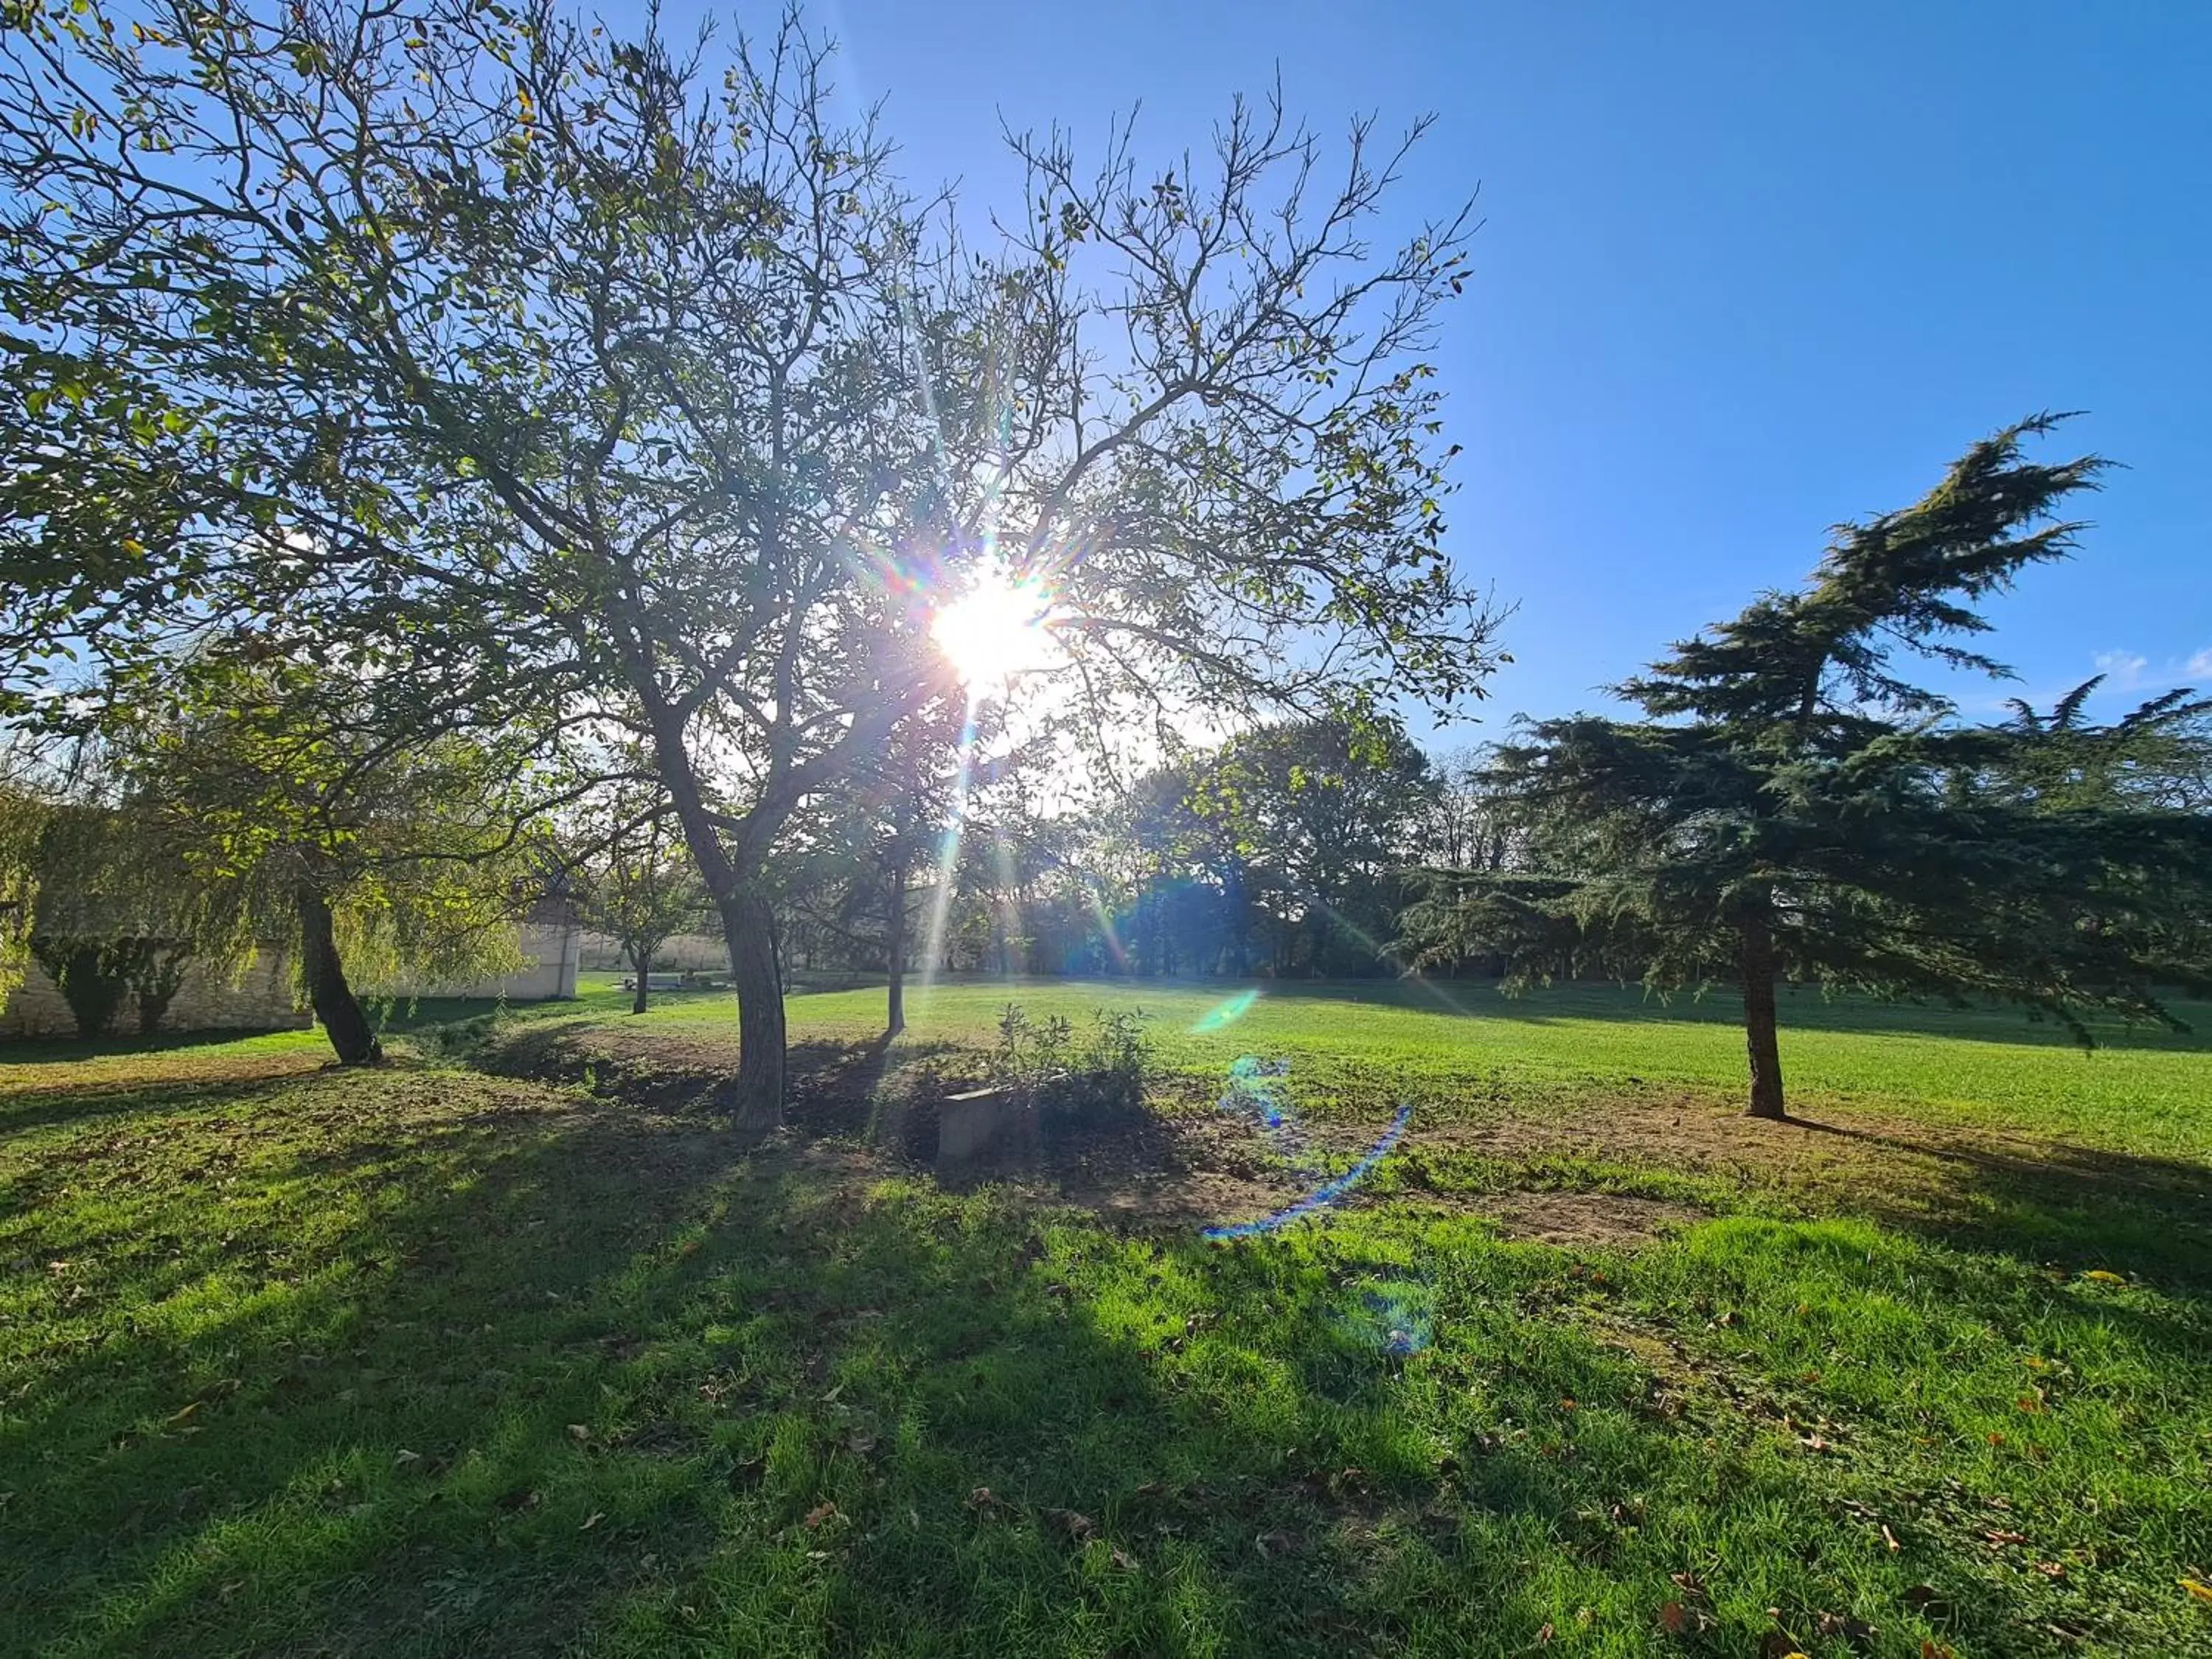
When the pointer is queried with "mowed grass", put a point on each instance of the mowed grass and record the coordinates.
(1448, 1043)
(430, 1361)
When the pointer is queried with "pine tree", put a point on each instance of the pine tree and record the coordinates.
(1795, 807)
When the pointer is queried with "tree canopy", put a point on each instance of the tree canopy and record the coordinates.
(623, 374)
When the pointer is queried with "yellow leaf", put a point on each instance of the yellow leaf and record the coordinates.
(2105, 1278)
(2203, 1592)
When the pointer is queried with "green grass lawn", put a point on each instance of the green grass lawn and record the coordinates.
(438, 1360)
(1439, 1041)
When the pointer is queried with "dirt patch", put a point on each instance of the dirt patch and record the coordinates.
(1181, 1163)
(1605, 1221)
(1681, 1133)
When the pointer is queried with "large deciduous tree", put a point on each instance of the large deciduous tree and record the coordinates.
(1793, 806)
(632, 372)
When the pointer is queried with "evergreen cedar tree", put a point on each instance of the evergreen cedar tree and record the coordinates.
(1792, 806)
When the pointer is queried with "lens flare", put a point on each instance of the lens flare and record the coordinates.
(1393, 1315)
(1323, 1195)
(1226, 1014)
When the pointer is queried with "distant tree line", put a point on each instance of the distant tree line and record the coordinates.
(1289, 851)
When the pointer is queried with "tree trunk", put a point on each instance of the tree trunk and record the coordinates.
(1759, 1022)
(750, 927)
(641, 961)
(328, 994)
(895, 928)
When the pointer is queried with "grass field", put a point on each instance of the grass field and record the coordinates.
(509, 1348)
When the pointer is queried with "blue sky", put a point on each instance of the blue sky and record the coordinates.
(1746, 270)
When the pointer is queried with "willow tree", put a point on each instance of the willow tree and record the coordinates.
(274, 803)
(1795, 807)
(633, 370)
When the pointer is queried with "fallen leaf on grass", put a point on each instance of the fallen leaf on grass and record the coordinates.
(407, 1457)
(1070, 1524)
(2104, 1276)
(983, 1500)
(1676, 1619)
(2197, 1588)
(1122, 1560)
(1890, 1538)
(820, 1513)
(2051, 1568)
(1280, 1541)
(1544, 1632)
(592, 1520)
(179, 1417)
(1689, 1583)
(1931, 1649)
(2006, 1537)
(580, 1432)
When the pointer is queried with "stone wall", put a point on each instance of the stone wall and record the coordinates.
(261, 1001)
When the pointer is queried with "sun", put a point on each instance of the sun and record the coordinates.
(996, 630)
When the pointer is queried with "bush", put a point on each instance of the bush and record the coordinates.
(1043, 1061)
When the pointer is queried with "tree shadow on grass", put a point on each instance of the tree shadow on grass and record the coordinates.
(2074, 1207)
(551, 1361)
(482, 1368)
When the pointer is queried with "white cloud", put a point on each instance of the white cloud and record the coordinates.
(2122, 668)
(2201, 664)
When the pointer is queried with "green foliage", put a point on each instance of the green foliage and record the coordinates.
(1045, 1063)
(23, 814)
(2158, 756)
(1279, 849)
(626, 867)
(257, 778)
(93, 975)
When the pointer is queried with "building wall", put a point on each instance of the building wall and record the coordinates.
(261, 1001)
(557, 946)
(554, 941)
